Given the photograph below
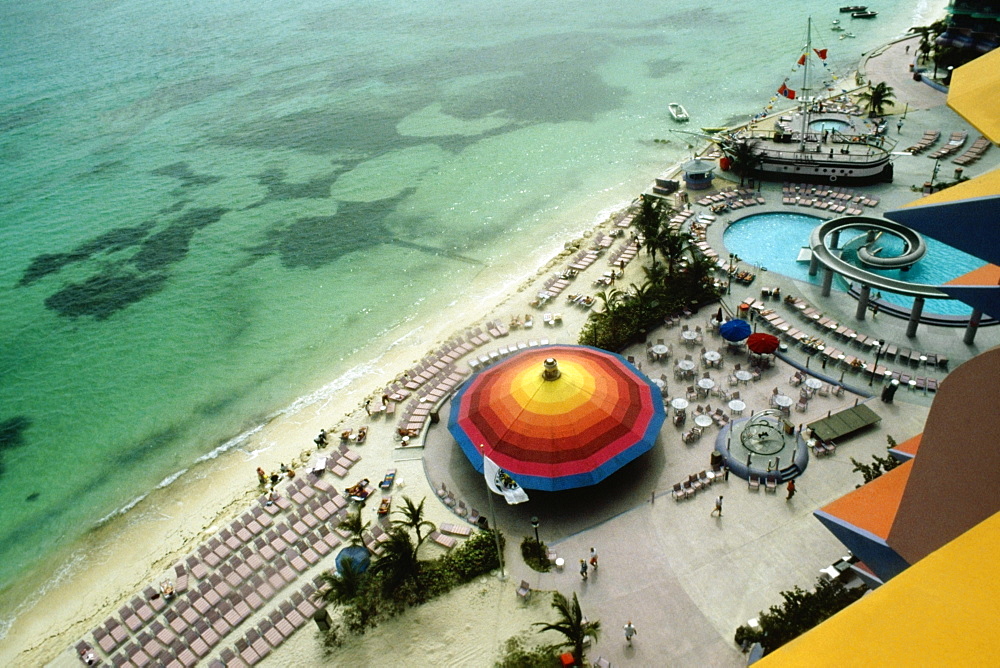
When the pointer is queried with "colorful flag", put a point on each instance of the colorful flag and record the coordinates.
(802, 59)
(821, 53)
(501, 483)
(787, 92)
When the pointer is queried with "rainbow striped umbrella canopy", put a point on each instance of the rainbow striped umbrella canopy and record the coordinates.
(573, 430)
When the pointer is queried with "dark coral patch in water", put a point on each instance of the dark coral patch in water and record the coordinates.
(172, 244)
(280, 189)
(101, 296)
(315, 241)
(118, 239)
(12, 435)
(182, 172)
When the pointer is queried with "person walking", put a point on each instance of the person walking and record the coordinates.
(593, 558)
(791, 490)
(583, 570)
(630, 632)
(718, 507)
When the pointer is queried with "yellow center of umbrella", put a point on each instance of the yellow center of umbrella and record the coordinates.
(574, 387)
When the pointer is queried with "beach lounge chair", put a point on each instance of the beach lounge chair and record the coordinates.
(388, 480)
(446, 542)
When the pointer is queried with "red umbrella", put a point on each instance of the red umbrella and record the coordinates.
(763, 344)
(574, 427)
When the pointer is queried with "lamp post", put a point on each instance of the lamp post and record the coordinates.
(878, 353)
(732, 273)
(534, 524)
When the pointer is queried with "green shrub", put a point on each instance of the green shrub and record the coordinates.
(375, 602)
(535, 554)
(517, 652)
(800, 611)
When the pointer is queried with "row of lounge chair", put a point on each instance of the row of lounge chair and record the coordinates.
(493, 356)
(227, 580)
(926, 141)
(625, 253)
(974, 152)
(955, 142)
(839, 194)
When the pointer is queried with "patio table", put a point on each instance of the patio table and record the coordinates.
(703, 420)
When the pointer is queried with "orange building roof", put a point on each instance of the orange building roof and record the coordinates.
(910, 445)
(872, 507)
(988, 274)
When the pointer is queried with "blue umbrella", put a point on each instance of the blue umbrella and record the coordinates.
(357, 555)
(735, 330)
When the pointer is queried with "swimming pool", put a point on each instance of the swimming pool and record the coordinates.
(821, 124)
(773, 240)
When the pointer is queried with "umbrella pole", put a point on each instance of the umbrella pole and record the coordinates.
(496, 533)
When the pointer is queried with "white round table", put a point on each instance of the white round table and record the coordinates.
(706, 383)
(703, 420)
(689, 335)
(743, 376)
(782, 400)
(679, 403)
(737, 406)
(659, 349)
(686, 365)
(814, 383)
(712, 357)
(659, 383)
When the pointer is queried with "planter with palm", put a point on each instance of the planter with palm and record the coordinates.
(745, 158)
(572, 625)
(877, 98)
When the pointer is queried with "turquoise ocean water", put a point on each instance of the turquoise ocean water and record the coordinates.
(209, 210)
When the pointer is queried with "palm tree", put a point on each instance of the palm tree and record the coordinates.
(398, 564)
(413, 518)
(648, 220)
(674, 247)
(341, 587)
(877, 98)
(571, 624)
(926, 42)
(745, 158)
(611, 299)
(356, 526)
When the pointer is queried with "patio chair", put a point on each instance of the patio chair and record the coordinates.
(679, 492)
(753, 482)
(524, 591)
(770, 484)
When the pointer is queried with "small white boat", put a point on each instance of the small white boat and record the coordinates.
(679, 113)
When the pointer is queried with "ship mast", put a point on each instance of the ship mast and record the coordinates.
(805, 79)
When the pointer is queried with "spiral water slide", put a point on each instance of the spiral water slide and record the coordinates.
(817, 243)
(915, 248)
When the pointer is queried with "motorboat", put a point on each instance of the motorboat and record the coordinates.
(850, 9)
(679, 113)
(863, 15)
